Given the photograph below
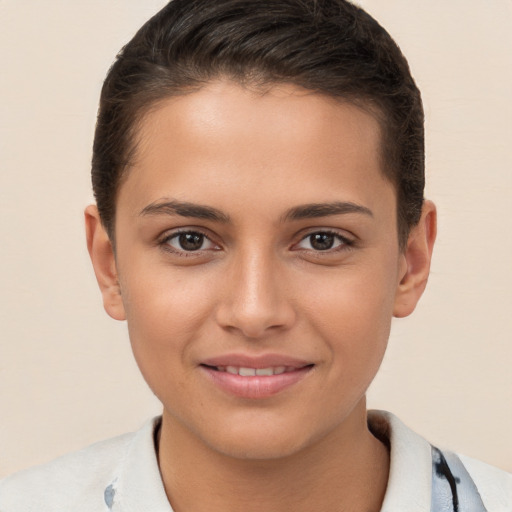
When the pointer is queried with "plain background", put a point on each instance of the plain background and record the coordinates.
(67, 377)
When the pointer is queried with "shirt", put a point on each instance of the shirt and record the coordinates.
(122, 475)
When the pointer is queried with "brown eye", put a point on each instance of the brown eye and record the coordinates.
(189, 241)
(322, 241)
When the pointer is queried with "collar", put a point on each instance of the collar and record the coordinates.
(138, 484)
(410, 472)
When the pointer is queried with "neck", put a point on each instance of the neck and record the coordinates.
(346, 470)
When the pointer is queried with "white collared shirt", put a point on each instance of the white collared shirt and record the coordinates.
(122, 475)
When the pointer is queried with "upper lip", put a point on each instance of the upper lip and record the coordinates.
(260, 361)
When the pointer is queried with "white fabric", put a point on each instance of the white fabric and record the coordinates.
(122, 475)
(410, 477)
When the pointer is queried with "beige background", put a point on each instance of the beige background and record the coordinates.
(66, 373)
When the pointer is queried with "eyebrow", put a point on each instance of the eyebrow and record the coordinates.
(185, 209)
(314, 210)
(306, 211)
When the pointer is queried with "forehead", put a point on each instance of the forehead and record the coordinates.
(283, 142)
(290, 113)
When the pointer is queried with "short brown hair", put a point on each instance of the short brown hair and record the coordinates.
(327, 46)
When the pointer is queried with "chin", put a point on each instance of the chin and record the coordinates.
(260, 447)
(263, 440)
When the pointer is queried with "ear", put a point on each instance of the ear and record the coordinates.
(104, 263)
(416, 260)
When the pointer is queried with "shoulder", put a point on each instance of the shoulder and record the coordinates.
(493, 484)
(416, 480)
(70, 482)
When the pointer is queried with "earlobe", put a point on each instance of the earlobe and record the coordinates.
(416, 262)
(104, 263)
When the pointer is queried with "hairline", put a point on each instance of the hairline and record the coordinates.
(256, 82)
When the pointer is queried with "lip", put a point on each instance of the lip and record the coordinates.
(258, 386)
(260, 361)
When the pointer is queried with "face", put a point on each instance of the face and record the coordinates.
(258, 264)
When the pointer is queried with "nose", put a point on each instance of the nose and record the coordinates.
(256, 300)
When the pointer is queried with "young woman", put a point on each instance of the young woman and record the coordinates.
(258, 170)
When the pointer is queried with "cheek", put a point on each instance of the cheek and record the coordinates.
(165, 313)
(162, 301)
(352, 312)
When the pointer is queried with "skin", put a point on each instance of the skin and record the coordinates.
(258, 285)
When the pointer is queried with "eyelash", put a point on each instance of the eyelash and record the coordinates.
(345, 242)
(164, 242)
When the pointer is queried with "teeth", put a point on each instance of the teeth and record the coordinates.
(246, 372)
(251, 372)
(264, 371)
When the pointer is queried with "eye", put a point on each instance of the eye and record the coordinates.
(189, 241)
(323, 241)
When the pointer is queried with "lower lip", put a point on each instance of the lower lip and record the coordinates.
(259, 386)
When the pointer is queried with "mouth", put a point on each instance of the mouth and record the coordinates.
(245, 371)
(258, 380)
